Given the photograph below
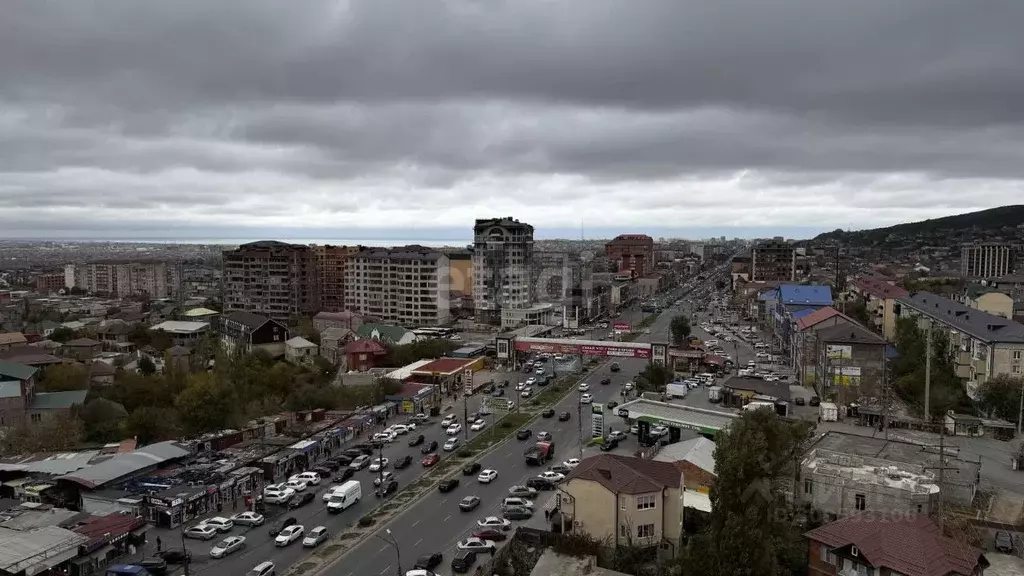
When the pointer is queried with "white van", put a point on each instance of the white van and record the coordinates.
(344, 496)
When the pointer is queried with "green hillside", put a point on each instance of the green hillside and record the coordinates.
(992, 219)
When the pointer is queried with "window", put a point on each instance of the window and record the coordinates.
(645, 531)
(859, 501)
(623, 531)
(808, 486)
(645, 502)
(622, 502)
(36, 418)
(1017, 354)
(826, 555)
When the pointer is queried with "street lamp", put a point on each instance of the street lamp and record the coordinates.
(390, 541)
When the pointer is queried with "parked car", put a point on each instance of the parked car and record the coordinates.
(428, 561)
(403, 462)
(248, 519)
(432, 447)
(388, 488)
(463, 561)
(490, 534)
(201, 532)
(799, 401)
(416, 441)
(815, 401)
(344, 474)
(156, 565)
(1004, 542)
(564, 417)
(175, 555)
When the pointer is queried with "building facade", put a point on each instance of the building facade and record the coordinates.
(987, 260)
(879, 296)
(331, 263)
(773, 261)
(126, 279)
(502, 260)
(632, 253)
(407, 286)
(271, 278)
(49, 283)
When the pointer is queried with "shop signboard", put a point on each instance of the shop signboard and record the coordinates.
(596, 420)
(467, 379)
(622, 327)
(582, 348)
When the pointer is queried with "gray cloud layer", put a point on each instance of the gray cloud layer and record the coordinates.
(391, 114)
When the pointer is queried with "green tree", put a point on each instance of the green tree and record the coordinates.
(64, 377)
(160, 340)
(680, 329)
(749, 530)
(654, 377)
(405, 354)
(205, 405)
(62, 334)
(999, 396)
(947, 391)
(146, 366)
(101, 420)
(152, 424)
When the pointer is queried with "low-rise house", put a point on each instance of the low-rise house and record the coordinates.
(332, 344)
(183, 333)
(386, 334)
(362, 355)
(695, 458)
(345, 320)
(790, 299)
(9, 340)
(253, 332)
(987, 299)
(21, 404)
(101, 374)
(879, 295)
(201, 315)
(850, 363)
(890, 545)
(33, 355)
(739, 391)
(626, 501)
(82, 349)
(112, 332)
(180, 357)
(299, 350)
(805, 340)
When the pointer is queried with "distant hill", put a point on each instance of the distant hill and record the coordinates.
(992, 219)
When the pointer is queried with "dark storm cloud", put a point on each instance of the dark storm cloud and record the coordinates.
(393, 113)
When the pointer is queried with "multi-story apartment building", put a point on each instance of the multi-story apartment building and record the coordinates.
(407, 286)
(773, 261)
(502, 257)
(49, 283)
(633, 254)
(555, 274)
(879, 295)
(983, 345)
(271, 278)
(331, 262)
(126, 279)
(987, 260)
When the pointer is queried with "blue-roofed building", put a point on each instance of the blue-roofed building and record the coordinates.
(791, 302)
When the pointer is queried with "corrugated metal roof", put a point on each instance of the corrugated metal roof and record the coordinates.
(801, 294)
(124, 464)
(20, 550)
(982, 325)
(58, 400)
(698, 451)
(18, 371)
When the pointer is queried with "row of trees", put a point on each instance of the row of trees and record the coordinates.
(908, 370)
(191, 400)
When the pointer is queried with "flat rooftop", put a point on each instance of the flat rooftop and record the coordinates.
(706, 421)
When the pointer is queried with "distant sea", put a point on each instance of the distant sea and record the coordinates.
(435, 242)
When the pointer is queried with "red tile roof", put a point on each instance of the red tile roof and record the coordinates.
(108, 528)
(628, 475)
(445, 365)
(819, 315)
(365, 346)
(879, 288)
(911, 545)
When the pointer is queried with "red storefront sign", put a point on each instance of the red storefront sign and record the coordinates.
(622, 327)
(562, 347)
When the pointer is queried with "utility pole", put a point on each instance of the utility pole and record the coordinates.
(579, 420)
(181, 530)
(928, 374)
(885, 392)
(942, 467)
(380, 464)
(1020, 414)
(465, 415)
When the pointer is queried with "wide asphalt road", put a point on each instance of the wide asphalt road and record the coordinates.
(260, 546)
(435, 523)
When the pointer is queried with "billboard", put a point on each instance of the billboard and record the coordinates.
(622, 327)
(467, 379)
(582, 348)
(597, 420)
(846, 376)
(837, 352)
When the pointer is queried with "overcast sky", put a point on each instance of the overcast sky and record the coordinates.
(383, 118)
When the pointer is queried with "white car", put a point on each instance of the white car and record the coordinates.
(454, 429)
(526, 393)
(227, 546)
(248, 519)
(531, 381)
(478, 425)
(201, 532)
(583, 387)
(516, 501)
(310, 478)
(476, 545)
(296, 485)
(571, 463)
(289, 535)
(494, 522)
(551, 476)
(220, 523)
(449, 420)
(616, 435)
(659, 431)
(487, 476)
(398, 429)
(628, 386)
(540, 371)
(383, 479)
(315, 537)
(384, 437)
(451, 444)
(277, 494)
(379, 464)
(586, 398)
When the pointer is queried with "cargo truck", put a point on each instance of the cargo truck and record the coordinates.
(539, 453)
(675, 390)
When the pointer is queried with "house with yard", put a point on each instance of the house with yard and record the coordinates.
(21, 404)
(333, 342)
(298, 350)
(183, 333)
(9, 340)
(361, 355)
(82, 349)
(386, 334)
(253, 332)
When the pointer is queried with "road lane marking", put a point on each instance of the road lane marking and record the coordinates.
(417, 543)
(446, 518)
(415, 523)
(385, 570)
(382, 548)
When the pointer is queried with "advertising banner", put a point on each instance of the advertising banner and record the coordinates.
(602, 350)
(622, 327)
(467, 379)
(837, 352)
(597, 421)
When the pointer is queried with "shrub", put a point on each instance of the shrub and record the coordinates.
(465, 453)
(506, 424)
(366, 521)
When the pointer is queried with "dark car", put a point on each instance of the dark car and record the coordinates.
(489, 534)
(432, 447)
(301, 500)
(388, 488)
(365, 449)
(463, 561)
(540, 484)
(469, 503)
(815, 401)
(344, 460)
(548, 413)
(606, 381)
(331, 465)
(524, 434)
(499, 393)
(609, 445)
(344, 474)
(561, 469)
(611, 405)
(799, 401)
(417, 440)
(155, 566)
(471, 469)
(352, 453)
(615, 367)
(1004, 542)
(281, 524)
(324, 471)
(175, 555)
(527, 369)
(448, 485)
(403, 462)
(428, 561)
(517, 513)
(564, 417)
